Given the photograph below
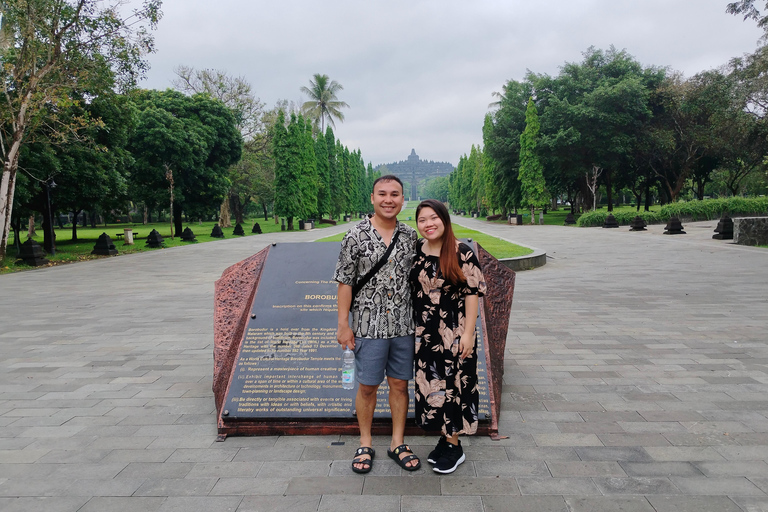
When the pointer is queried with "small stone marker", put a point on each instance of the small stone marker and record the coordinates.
(569, 219)
(724, 229)
(256, 228)
(104, 246)
(674, 227)
(238, 231)
(638, 224)
(188, 235)
(155, 239)
(32, 253)
(610, 222)
(216, 232)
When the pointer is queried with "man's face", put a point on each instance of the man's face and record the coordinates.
(387, 199)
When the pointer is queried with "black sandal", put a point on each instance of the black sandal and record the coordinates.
(367, 463)
(403, 463)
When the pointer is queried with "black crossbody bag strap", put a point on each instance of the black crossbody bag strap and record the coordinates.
(367, 277)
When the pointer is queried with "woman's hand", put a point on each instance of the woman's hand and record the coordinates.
(466, 344)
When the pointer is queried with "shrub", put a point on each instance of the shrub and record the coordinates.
(687, 211)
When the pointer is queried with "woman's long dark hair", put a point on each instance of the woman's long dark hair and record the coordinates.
(449, 262)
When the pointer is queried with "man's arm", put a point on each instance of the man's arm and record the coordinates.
(344, 334)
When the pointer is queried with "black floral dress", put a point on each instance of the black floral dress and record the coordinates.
(446, 397)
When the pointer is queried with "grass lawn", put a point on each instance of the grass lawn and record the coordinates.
(497, 247)
(68, 251)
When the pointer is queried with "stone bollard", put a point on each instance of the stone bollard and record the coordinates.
(128, 236)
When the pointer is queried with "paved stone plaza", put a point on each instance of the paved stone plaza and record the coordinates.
(636, 379)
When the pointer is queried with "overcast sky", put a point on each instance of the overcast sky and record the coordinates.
(420, 73)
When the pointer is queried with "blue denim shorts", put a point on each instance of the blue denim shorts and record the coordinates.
(375, 357)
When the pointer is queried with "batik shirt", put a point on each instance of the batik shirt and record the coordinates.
(382, 309)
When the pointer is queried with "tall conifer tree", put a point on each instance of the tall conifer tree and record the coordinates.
(531, 173)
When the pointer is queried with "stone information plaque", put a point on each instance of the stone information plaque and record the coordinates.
(289, 363)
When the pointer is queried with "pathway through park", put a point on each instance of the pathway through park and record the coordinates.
(636, 379)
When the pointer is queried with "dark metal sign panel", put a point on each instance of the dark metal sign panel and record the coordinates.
(289, 364)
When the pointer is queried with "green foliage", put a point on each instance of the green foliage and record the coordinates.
(691, 211)
(436, 188)
(531, 174)
(285, 148)
(196, 138)
(323, 103)
(324, 198)
(53, 53)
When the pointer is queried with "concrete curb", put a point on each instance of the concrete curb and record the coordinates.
(537, 258)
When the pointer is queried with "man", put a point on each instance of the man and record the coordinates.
(381, 333)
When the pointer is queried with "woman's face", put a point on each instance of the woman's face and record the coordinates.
(430, 225)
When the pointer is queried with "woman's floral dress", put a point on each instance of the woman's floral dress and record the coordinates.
(446, 396)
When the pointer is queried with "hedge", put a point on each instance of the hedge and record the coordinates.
(689, 211)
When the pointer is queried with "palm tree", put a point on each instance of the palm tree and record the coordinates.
(323, 102)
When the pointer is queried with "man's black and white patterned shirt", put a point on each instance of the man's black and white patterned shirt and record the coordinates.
(382, 309)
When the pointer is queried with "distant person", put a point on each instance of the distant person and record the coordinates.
(381, 334)
(447, 282)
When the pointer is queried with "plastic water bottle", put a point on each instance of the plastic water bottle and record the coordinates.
(348, 369)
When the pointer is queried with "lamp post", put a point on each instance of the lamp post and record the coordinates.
(49, 240)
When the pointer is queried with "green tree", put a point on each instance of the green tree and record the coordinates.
(335, 173)
(323, 101)
(50, 48)
(324, 197)
(308, 172)
(436, 188)
(531, 173)
(196, 138)
(749, 11)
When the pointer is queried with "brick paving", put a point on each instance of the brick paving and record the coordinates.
(635, 379)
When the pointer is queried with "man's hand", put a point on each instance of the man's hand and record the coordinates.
(344, 334)
(345, 337)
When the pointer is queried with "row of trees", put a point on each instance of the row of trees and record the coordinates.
(77, 135)
(316, 175)
(56, 56)
(608, 123)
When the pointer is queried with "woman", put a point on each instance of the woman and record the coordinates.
(446, 282)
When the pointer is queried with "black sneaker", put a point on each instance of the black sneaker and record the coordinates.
(450, 460)
(435, 454)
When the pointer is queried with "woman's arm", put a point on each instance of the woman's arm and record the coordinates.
(470, 319)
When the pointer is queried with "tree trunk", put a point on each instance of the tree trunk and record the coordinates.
(7, 189)
(290, 224)
(177, 221)
(74, 224)
(31, 227)
(16, 227)
(49, 235)
(264, 206)
(225, 220)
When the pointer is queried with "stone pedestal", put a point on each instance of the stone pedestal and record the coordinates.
(674, 227)
(610, 222)
(724, 229)
(104, 246)
(128, 236)
(32, 253)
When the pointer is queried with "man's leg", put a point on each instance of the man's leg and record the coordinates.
(365, 404)
(398, 404)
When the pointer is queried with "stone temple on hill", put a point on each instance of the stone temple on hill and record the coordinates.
(416, 171)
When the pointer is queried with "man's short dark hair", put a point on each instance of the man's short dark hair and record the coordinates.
(389, 177)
